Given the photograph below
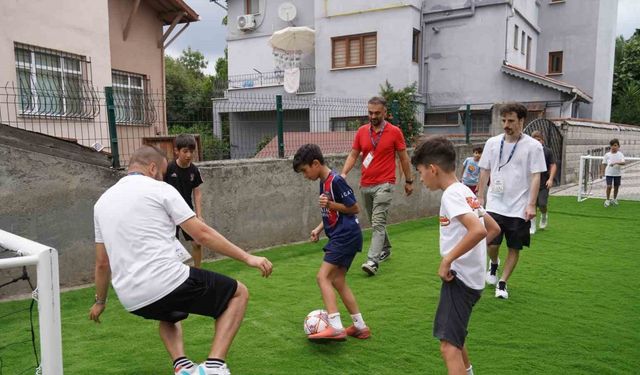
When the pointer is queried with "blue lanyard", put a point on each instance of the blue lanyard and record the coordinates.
(377, 141)
(510, 155)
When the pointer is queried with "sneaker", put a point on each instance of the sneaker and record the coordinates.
(204, 370)
(362, 334)
(532, 227)
(370, 267)
(501, 290)
(543, 221)
(492, 275)
(384, 255)
(187, 371)
(329, 333)
(614, 202)
(607, 203)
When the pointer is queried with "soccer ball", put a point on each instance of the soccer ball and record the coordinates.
(316, 321)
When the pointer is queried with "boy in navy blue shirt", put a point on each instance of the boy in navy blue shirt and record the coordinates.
(339, 208)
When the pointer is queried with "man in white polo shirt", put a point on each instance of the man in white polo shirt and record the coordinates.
(514, 161)
(136, 247)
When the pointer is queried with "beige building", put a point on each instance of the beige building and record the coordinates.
(57, 57)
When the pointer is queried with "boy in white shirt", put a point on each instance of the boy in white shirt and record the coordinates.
(462, 247)
(612, 171)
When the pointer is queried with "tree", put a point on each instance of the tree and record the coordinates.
(626, 81)
(406, 109)
(194, 61)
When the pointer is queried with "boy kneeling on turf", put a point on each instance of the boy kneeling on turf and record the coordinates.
(339, 208)
(462, 247)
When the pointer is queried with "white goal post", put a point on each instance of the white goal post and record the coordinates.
(589, 173)
(47, 294)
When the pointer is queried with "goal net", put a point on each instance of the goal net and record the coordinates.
(27, 266)
(592, 183)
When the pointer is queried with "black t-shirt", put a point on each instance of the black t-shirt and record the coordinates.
(548, 159)
(183, 179)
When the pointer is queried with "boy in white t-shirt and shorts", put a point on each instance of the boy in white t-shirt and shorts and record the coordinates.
(612, 171)
(462, 247)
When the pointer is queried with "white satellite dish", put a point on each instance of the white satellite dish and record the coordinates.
(287, 12)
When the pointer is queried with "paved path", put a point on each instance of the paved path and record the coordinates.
(629, 189)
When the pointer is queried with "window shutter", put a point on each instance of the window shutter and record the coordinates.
(339, 53)
(370, 50)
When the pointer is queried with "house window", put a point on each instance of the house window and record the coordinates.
(480, 122)
(339, 124)
(52, 83)
(131, 99)
(251, 7)
(555, 62)
(441, 119)
(415, 46)
(354, 50)
(522, 44)
(515, 37)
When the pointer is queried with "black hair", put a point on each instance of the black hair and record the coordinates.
(518, 108)
(436, 150)
(305, 155)
(614, 141)
(185, 141)
(478, 149)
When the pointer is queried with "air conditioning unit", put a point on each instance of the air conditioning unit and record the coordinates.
(246, 22)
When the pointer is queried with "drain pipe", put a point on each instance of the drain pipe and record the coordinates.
(506, 31)
(470, 13)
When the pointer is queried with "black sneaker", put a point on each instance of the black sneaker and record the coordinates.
(384, 255)
(370, 267)
(501, 290)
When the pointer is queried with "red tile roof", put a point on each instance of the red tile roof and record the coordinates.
(329, 142)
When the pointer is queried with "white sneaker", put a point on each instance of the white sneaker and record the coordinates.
(532, 228)
(607, 203)
(614, 202)
(185, 371)
(492, 277)
(501, 290)
(203, 370)
(543, 221)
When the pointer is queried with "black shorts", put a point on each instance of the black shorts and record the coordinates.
(613, 180)
(203, 293)
(515, 229)
(454, 310)
(186, 235)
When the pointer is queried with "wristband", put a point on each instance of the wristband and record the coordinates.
(100, 301)
(408, 182)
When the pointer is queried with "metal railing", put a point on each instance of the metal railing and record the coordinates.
(264, 79)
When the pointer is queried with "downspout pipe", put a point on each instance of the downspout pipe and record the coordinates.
(506, 32)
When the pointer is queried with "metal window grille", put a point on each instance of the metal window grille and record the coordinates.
(132, 103)
(54, 83)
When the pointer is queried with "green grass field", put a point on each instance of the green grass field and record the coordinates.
(573, 309)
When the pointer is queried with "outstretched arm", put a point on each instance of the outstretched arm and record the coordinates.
(210, 238)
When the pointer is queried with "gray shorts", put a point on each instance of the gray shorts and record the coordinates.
(454, 310)
(543, 198)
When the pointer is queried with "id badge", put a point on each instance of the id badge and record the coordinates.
(497, 186)
(181, 253)
(367, 160)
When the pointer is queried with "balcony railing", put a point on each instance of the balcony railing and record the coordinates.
(265, 79)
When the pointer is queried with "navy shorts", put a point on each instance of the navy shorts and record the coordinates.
(454, 311)
(515, 229)
(613, 180)
(342, 254)
(203, 293)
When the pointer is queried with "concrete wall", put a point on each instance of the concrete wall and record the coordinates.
(581, 138)
(525, 16)
(393, 22)
(585, 32)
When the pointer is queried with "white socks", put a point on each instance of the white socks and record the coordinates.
(358, 322)
(334, 321)
(470, 370)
